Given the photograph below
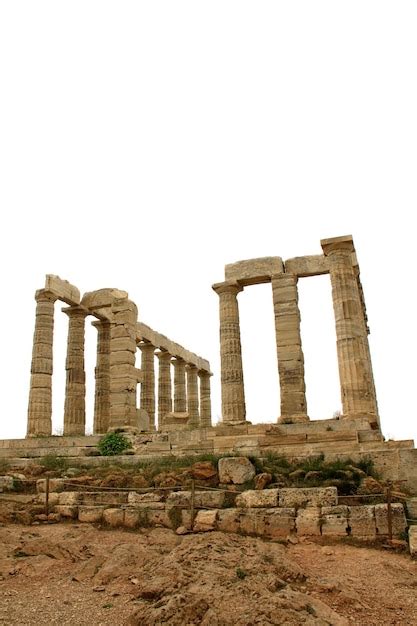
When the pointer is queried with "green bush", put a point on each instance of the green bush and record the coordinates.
(113, 443)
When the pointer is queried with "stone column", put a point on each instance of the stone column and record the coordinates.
(164, 387)
(74, 409)
(233, 394)
(40, 393)
(147, 390)
(102, 374)
(180, 400)
(355, 369)
(123, 373)
(192, 396)
(205, 399)
(289, 350)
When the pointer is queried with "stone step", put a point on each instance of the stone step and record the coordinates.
(49, 442)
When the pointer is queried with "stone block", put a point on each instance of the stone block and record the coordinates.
(6, 483)
(306, 497)
(399, 523)
(279, 522)
(303, 266)
(412, 540)
(210, 499)
(52, 500)
(228, 520)
(205, 521)
(91, 514)
(113, 517)
(252, 522)
(236, 470)
(412, 509)
(308, 521)
(362, 521)
(69, 498)
(267, 498)
(159, 518)
(55, 484)
(254, 271)
(62, 289)
(66, 511)
(334, 520)
(143, 498)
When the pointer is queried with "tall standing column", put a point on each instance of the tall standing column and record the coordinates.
(355, 368)
(164, 387)
(102, 374)
(180, 400)
(233, 394)
(40, 394)
(205, 399)
(123, 374)
(74, 410)
(192, 396)
(147, 390)
(289, 349)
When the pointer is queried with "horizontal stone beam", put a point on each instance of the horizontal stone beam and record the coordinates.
(146, 333)
(62, 289)
(303, 266)
(254, 271)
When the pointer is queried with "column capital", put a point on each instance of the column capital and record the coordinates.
(205, 374)
(101, 324)
(75, 311)
(42, 295)
(163, 355)
(338, 244)
(178, 361)
(146, 346)
(190, 367)
(229, 286)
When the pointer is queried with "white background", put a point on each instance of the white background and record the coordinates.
(144, 145)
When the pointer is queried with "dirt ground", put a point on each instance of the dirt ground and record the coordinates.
(78, 574)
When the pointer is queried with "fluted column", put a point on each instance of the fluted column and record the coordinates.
(74, 409)
(192, 396)
(123, 374)
(164, 387)
(102, 374)
(147, 390)
(40, 394)
(205, 399)
(180, 400)
(355, 368)
(233, 394)
(289, 349)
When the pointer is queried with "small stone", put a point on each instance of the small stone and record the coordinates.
(182, 530)
(99, 588)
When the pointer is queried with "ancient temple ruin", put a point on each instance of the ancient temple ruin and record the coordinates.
(355, 369)
(119, 335)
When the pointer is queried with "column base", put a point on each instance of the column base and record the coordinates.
(293, 419)
(372, 418)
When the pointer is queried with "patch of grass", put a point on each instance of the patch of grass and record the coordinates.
(53, 463)
(4, 466)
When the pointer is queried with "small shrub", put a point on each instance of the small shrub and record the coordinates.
(53, 463)
(113, 443)
(240, 573)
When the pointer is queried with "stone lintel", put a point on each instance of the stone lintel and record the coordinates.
(303, 266)
(254, 271)
(62, 289)
(337, 243)
(102, 298)
(147, 334)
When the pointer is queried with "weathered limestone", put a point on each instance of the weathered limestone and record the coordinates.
(257, 499)
(102, 375)
(147, 390)
(123, 374)
(308, 497)
(355, 369)
(233, 395)
(192, 396)
(236, 470)
(74, 410)
(164, 387)
(180, 398)
(40, 394)
(289, 350)
(205, 399)
(254, 271)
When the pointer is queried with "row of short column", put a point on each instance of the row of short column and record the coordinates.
(355, 369)
(188, 397)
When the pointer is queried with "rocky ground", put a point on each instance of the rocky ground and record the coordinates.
(77, 574)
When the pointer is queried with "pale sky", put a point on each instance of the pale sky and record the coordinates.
(144, 145)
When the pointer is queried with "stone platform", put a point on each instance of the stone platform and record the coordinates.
(395, 460)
